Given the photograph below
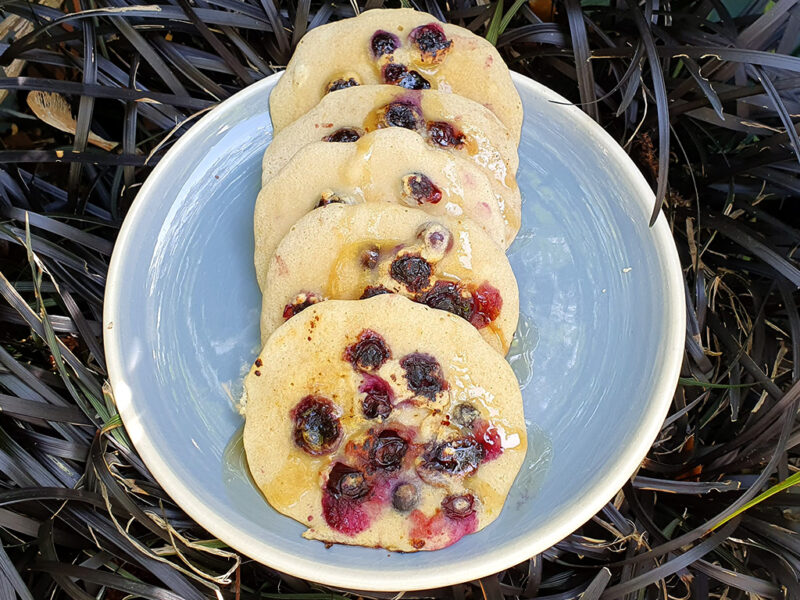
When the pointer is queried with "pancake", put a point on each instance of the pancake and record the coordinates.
(347, 252)
(403, 47)
(447, 121)
(389, 165)
(383, 423)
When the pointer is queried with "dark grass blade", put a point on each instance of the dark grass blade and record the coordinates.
(533, 577)
(105, 579)
(11, 576)
(271, 11)
(110, 487)
(786, 119)
(539, 33)
(322, 16)
(749, 494)
(90, 338)
(99, 91)
(215, 43)
(77, 260)
(249, 54)
(696, 76)
(748, 583)
(791, 34)
(300, 21)
(40, 411)
(129, 133)
(47, 548)
(580, 46)
(93, 525)
(208, 85)
(741, 236)
(60, 353)
(28, 382)
(161, 13)
(66, 156)
(152, 58)
(433, 7)
(85, 112)
(660, 93)
(684, 487)
(738, 55)
(494, 25)
(60, 324)
(59, 228)
(598, 585)
(633, 78)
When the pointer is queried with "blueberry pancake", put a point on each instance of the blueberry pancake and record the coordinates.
(446, 121)
(351, 252)
(390, 165)
(402, 47)
(383, 423)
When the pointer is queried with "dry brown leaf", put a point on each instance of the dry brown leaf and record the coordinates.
(54, 110)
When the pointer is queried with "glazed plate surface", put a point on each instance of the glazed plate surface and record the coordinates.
(597, 351)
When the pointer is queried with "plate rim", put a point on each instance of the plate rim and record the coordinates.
(577, 513)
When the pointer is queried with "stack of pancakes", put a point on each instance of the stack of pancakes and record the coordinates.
(380, 411)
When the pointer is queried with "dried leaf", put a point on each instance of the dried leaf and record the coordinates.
(53, 109)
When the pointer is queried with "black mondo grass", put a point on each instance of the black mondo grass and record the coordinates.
(705, 97)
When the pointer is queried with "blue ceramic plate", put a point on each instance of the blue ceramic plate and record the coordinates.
(597, 351)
